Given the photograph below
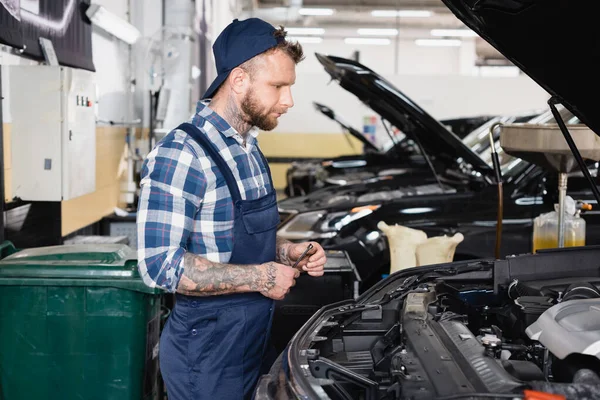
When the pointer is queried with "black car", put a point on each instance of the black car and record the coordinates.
(458, 194)
(398, 155)
(525, 326)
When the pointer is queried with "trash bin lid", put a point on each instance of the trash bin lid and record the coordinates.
(74, 264)
(72, 261)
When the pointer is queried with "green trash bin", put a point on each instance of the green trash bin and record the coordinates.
(77, 322)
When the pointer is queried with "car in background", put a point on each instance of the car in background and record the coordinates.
(398, 155)
(461, 196)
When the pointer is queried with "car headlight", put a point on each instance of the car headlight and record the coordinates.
(321, 224)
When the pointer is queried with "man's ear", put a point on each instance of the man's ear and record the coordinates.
(238, 80)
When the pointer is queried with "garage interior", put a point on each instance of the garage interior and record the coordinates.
(449, 176)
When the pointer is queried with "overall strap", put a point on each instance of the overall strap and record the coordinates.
(213, 152)
(264, 160)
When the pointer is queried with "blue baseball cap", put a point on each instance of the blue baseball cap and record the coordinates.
(239, 42)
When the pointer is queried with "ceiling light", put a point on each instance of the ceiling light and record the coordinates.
(316, 11)
(402, 13)
(377, 32)
(438, 42)
(375, 41)
(112, 24)
(453, 32)
(384, 13)
(305, 39)
(305, 31)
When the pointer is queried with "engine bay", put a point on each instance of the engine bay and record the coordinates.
(437, 335)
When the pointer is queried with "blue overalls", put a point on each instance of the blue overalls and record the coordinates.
(213, 347)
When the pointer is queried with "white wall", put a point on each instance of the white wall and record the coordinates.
(411, 59)
(443, 96)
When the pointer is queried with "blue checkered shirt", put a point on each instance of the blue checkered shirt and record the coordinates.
(184, 202)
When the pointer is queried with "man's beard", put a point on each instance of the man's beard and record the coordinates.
(254, 116)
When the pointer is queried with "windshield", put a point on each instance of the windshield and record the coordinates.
(510, 165)
(478, 140)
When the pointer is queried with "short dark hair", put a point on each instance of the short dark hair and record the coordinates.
(291, 48)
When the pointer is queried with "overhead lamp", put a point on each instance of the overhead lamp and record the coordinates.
(377, 32)
(453, 32)
(305, 31)
(306, 39)
(402, 13)
(438, 42)
(112, 24)
(374, 41)
(316, 11)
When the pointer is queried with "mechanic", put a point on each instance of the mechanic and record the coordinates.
(208, 216)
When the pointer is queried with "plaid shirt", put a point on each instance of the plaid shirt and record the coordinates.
(184, 202)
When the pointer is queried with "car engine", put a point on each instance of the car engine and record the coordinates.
(447, 337)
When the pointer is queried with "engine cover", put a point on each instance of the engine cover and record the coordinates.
(571, 327)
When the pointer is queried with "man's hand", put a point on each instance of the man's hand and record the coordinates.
(313, 262)
(277, 279)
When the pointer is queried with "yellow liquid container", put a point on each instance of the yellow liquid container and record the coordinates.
(545, 231)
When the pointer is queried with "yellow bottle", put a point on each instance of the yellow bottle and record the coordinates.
(545, 227)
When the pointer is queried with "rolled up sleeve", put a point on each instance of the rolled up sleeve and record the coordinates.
(171, 190)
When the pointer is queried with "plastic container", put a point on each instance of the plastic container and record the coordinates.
(545, 228)
(77, 322)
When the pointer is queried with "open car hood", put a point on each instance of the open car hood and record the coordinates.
(329, 113)
(552, 41)
(393, 105)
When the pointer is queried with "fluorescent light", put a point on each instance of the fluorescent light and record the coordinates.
(438, 42)
(375, 41)
(384, 13)
(305, 31)
(316, 11)
(112, 24)
(402, 13)
(306, 39)
(377, 32)
(453, 32)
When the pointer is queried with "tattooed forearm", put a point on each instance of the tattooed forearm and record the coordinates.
(282, 256)
(202, 277)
